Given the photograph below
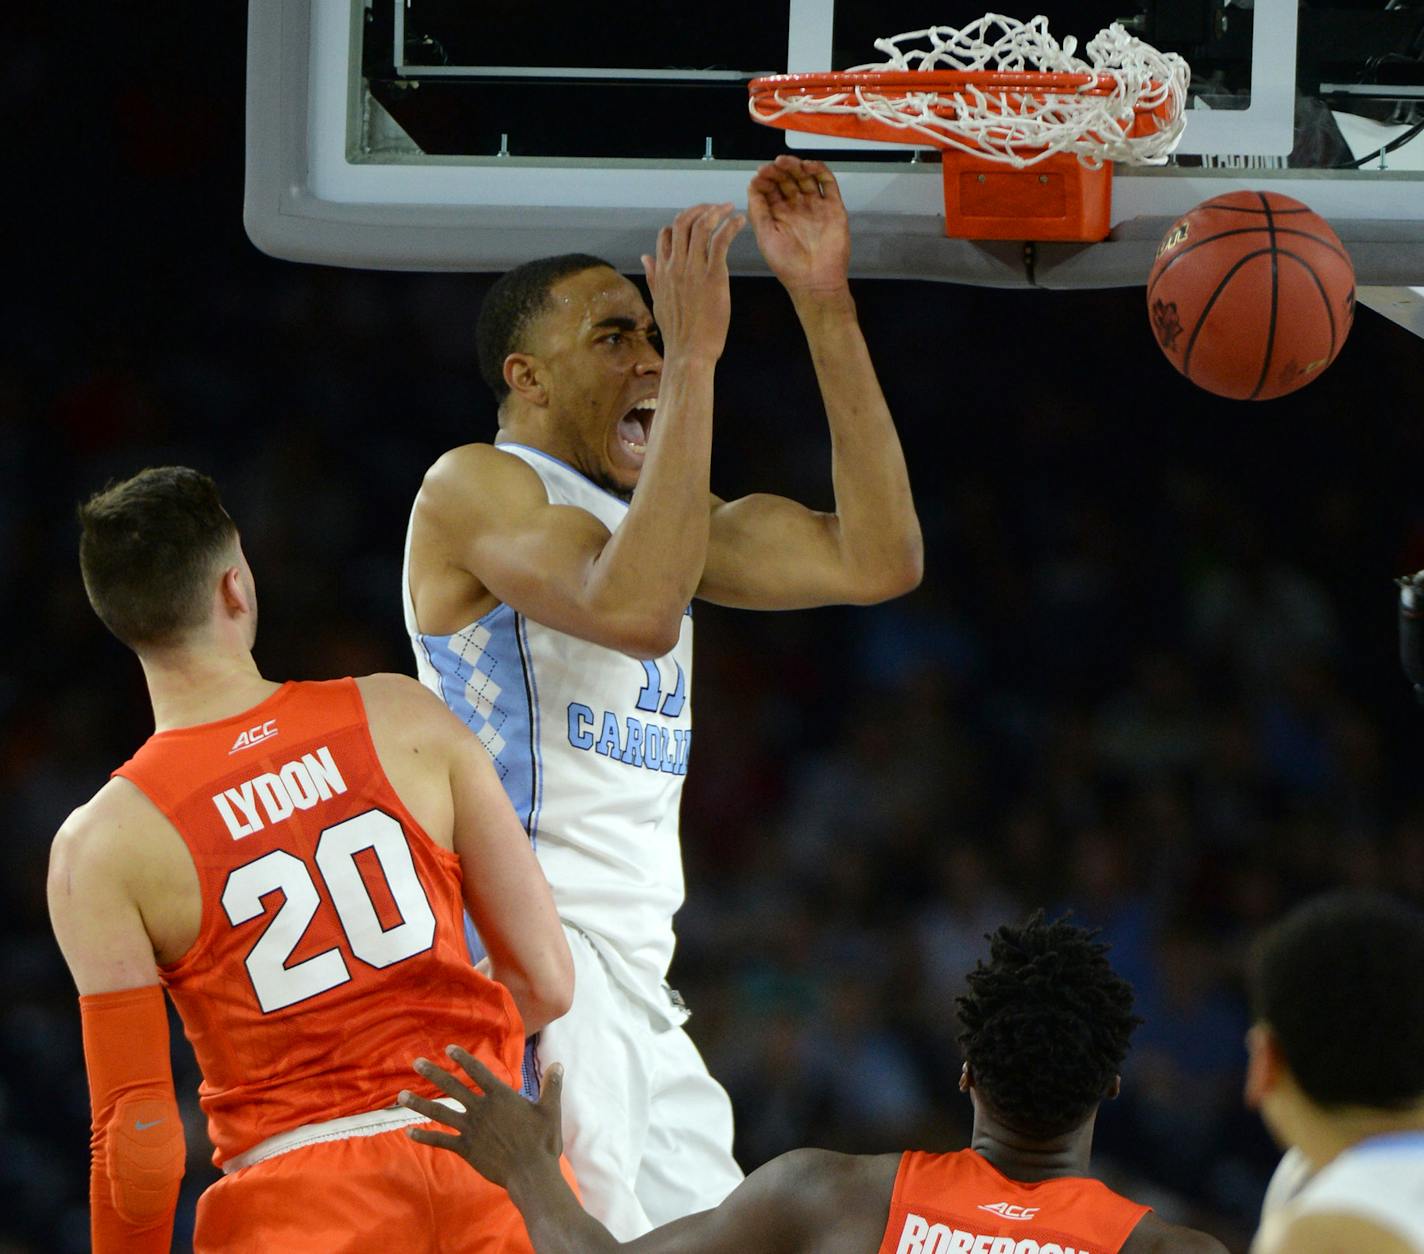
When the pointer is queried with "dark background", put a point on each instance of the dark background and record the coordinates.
(1151, 674)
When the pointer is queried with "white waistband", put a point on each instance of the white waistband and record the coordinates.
(370, 1123)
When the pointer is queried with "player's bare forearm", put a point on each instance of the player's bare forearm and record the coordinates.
(767, 552)
(878, 531)
(656, 556)
(557, 1223)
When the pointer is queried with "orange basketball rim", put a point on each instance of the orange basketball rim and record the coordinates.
(1027, 153)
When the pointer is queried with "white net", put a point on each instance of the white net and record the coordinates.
(1018, 126)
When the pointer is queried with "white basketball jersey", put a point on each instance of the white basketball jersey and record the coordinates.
(1381, 1179)
(591, 746)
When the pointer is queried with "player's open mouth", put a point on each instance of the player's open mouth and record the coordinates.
(634, 426)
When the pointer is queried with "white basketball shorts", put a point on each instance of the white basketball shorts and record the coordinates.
(647, 1131)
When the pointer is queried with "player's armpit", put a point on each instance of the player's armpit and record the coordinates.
(137, 1151)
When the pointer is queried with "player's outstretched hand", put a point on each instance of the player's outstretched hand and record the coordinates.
(499, 1130)
(687, 276)
(800, 224)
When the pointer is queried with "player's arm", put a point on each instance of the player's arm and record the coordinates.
(444, 776)
(137, 1150)
(793, 1203)
(1154, 1235)
(1329, 1232)
(505, 889)
(766, 552)
(626, 590)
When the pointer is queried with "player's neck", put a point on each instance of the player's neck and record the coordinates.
(1324, 1136)
(188, 687)
(1029, 1158)
(536, 428)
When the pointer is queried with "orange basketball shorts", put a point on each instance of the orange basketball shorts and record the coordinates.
(360, 1194)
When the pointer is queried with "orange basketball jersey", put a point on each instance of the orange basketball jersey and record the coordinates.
(960, 1204)
(332, 948)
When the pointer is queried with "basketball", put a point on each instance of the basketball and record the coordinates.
(1251, 295)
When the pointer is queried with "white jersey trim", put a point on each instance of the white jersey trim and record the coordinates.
(371, 1123)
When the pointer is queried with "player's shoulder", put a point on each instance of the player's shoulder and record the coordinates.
(1327, 1231)
(393, 701)
(470, 475)
(104, 832)
(822, 1179)
(1154, 1235)
(821, 1199)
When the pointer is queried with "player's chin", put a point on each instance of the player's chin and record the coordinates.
(626, 460)
(619, 475)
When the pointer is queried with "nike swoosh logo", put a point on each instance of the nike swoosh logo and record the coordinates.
(140, 1126)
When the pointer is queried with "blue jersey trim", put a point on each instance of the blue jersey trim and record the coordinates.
(1389, 1141)
(535, 757)
(467, 671)
(531, 1076)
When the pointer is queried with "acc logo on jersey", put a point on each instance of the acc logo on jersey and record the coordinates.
(1007, 1210)
(254, 735)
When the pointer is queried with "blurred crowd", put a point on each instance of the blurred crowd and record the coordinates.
(1151, 676)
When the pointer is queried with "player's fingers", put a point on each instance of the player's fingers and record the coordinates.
(767, 180)
(649, 272)
(683, 227)
(551, 1090)
(728, 231)
(758, 204)
(800, 173)
(446, 1082)
(664, 250)
(787, 171)
(825, 180)
(428, 1136)
(476, 1070)
(705, 229)
(431, 1110)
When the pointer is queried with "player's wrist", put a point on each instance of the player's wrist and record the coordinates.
(692, 361)
(535, 1182)
(828, 300)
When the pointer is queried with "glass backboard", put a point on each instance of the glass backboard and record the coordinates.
(436, 134)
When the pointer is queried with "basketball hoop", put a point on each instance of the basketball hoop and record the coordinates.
(1029, 132)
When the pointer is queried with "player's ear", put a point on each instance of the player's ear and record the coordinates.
(1265, 1065)
(966, 1078)
(1113, 1089)
(233, 592)
(524, 376)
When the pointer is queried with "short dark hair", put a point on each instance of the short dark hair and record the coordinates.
(1045, 1025)
(511, 306)
(148, 549)
(1340, 981)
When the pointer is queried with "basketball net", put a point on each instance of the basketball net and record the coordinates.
(1001, 92)
(1095, 119)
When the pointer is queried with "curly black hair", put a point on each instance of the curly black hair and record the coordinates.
(1340, 981)
(511, 305)
(1045, 1025)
